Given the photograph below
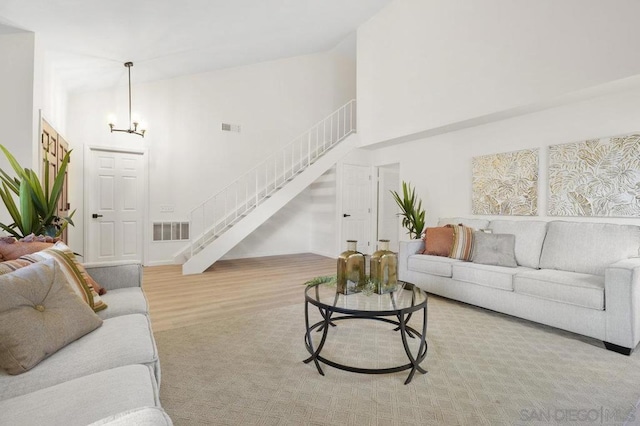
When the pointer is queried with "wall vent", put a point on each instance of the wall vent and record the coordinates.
(231, 127)
(170, 231)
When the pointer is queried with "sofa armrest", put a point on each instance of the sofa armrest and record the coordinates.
(406, 249)
(116, 275)
(622, 302)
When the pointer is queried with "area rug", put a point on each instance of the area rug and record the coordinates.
(484, 368)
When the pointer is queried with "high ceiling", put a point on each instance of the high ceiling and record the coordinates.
(87, 41)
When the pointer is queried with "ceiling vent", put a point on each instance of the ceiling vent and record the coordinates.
(231, 127)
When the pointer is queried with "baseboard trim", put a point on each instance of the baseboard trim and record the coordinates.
(324, 254)
(161, 263)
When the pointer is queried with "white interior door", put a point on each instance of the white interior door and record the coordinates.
(356, 206)
(115, 207)
(388, 220)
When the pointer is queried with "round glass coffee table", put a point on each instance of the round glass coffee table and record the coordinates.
(395, 308)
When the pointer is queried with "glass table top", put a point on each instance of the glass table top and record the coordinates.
(406, 296)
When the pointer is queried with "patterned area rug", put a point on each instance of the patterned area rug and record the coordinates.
(484, 368)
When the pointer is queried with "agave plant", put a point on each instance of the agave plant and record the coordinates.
(37, 208)
(411, 210)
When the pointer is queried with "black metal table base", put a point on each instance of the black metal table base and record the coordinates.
(405, 330)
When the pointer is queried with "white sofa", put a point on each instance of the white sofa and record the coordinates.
(577, 276)
(110, 376)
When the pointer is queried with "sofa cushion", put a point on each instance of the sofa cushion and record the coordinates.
(486, 275)
(434, 265)
(529, 234)
(39, 314)
(117, 274)
(124, 301)
(85, 399)
(438, 241)
(120, 341)
(588, 248)
(471, 223)
(561, 286)
(494, 249)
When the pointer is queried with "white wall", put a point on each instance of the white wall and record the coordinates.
(17, 51)
(425, 64)
(440, 167)
(54, 97)
(18, 116)
(190, 158)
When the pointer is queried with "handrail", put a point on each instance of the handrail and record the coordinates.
(219, 212)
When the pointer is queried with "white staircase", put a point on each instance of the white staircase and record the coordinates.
(225, 219)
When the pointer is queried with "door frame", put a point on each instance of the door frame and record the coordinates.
(88, 149)
(378, 167)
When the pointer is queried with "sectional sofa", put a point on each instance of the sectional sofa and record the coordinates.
(110, 376)
(577, 276)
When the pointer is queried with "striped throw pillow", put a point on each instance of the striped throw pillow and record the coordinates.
(85, 275)
(72, 270)
(12, 265)
(462, 242)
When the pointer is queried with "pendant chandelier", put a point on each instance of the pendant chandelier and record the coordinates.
(133, 125)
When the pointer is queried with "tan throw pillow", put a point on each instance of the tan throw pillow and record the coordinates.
(73, 271)
(438, 241)
(462, 242)
(39, 314)
(10, 249)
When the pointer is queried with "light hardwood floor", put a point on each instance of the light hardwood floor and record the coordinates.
(229, 287)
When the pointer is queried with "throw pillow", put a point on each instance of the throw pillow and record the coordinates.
(13, 265)
(494, 249)
(85, 275)
(438, 241)
(462, 242)
(11, 249)
(73, 271)
(39, 314)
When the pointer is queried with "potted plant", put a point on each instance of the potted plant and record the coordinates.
(411, 210)
(36, 211)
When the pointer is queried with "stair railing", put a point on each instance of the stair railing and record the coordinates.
(221, 211)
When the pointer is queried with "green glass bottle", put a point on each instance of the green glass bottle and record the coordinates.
(351, 270)
(384, 268)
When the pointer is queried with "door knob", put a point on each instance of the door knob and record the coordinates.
(96, 215)
(345, 215)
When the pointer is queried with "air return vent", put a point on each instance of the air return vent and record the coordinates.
(170, 231)
(231, 127)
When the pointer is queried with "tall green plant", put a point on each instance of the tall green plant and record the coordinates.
(410, 209)
(36, 210)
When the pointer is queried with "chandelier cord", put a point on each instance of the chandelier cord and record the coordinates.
(130, 119)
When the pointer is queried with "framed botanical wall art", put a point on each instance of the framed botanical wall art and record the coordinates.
(506, 183)
(597, 177)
